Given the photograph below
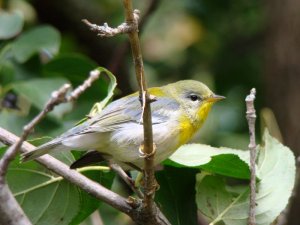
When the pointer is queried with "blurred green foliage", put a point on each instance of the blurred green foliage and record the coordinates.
(217, 42)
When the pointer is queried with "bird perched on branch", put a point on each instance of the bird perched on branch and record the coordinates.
(116, 133)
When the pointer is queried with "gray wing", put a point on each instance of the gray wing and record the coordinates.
(128, 110)
(119, 112)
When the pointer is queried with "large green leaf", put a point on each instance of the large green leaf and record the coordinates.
(38, 92)
(11, 24)
(43, 39)
(12, 121)
(220, 201)
(48, 199)
(176, 196)
(71, 66)
(223, 161)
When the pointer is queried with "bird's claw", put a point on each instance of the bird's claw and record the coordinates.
(144, 154)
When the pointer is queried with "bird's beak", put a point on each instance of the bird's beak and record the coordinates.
(215, 98)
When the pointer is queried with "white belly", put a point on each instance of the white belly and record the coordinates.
(125, 143)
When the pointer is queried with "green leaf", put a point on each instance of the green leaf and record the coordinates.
(43, 39)
(73, 67)
(11, 24)
(7, 72)
(223, 161)
(220, 201)
(97, 108)
(176, 195)
(48, 199)
(12, 121)
(217, 203)
(38, 92)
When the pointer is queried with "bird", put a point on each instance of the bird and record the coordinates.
(116, 133)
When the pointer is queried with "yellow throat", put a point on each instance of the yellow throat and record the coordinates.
(189, 126)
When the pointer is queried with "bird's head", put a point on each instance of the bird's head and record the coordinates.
(195, 99)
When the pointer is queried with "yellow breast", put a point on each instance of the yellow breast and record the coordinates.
(186, 130)
(190, 124)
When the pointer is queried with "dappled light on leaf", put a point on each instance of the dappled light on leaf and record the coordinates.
(220, 201)
(223, 161)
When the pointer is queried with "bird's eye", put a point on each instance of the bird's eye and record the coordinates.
(194, 98)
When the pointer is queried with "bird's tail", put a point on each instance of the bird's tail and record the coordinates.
(39, 151)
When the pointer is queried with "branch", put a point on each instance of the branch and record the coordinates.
(131, 208)
(251, 117)
(57, 97)
(118, 55)
(94, 75)
(149, 210)
(128, 180)
(149, 184)
(10, 210)
(73, 176)
(107, 31)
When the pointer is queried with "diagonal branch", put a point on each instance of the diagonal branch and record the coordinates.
(131, 207)
(73, 176)
(251, 117)
(56, 98)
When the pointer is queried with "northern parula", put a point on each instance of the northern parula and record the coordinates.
(116, 133)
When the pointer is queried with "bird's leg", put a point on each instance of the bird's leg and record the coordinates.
(145, 155)
(128, 180)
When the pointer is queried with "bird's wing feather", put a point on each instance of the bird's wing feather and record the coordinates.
(118, 113)
(128, 109)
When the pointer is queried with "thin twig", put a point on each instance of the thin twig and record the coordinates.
(94, 75)
(118, 169)
(251, 117)
(149, 183)
(119, 53)
(57, 97)
(107, 31)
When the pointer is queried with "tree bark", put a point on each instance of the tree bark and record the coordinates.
(10, 212)
(282, 75)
